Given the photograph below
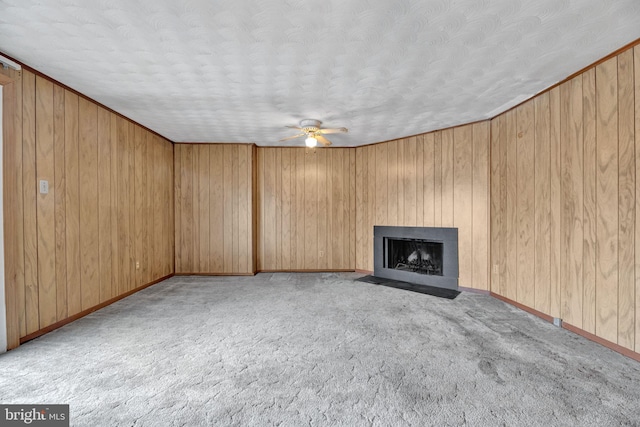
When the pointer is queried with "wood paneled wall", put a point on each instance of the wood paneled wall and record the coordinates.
(306, 208)
(565, 201)
(106, 225)
(214, 208)
(438, 179)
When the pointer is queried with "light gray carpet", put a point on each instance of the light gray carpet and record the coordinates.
(319, 349)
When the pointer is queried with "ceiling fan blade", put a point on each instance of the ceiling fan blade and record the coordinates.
(293, 137)
(338, 130)
(294, 127)
(322, 140)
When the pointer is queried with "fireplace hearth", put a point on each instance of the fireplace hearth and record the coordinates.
(419, 255)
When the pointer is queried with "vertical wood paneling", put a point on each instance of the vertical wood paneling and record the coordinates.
(496, 215)
(447, 188)
(235, 220)
(400, 164)
(59, 208)
(525, 203)
(419, 178)
(636, 68)
(194, 237)
(145, 216)
(555, 228)
(67, 245)
(12, 203)
(511, 218)
(353, 208)
(30, 187)
(216, 208)
(15, 90)
(47, 293)
(589, 219)
(306, 212)
(462, 208)
(393, 171)
(285, 208)
(124, 205)
(214, 184)
(626, 201)
(72, 203)
(88, 165)
(187, 215)
(371, 189)
(436, 179)
(586, 201)
(428, 180)
(607, 201)
(104, 204)
(177, 189)
(409, 182)
(542, 207)
(480, 202)
(437, 171)
(361, 202)
(300, 195)
(133, 274)
(381, 168)
(322, 177)
(115, 254)
(503, 265)
(268, 172)
(227, 153)
(203, 208)
(572, 184)
(311, 209)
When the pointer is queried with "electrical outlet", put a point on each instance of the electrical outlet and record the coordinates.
(495, 269)
(137, 265)
(321, 254)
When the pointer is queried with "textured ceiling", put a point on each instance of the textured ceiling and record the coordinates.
(240, 70)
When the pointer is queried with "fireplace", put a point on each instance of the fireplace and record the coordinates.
(420, 255)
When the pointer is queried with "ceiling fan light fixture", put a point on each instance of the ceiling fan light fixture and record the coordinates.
(311, 142)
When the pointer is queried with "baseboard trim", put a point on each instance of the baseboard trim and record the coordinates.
(215, 274)
(364, 271)
(613, 346)
(83, 313)
(588, 335)
(530, 310)
(333, 270)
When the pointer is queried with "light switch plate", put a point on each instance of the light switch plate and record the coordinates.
(44, 186)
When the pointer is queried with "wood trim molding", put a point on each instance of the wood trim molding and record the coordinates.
(61, 323)
(574, 75)
(611, 345)
(523, 307)
(332, 270)
(364, 272)
(214, 274)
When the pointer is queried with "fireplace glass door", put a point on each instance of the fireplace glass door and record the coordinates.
(414, 255)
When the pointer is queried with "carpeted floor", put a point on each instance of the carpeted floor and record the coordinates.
(319, 349)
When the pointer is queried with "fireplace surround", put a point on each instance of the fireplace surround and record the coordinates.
(419, 255)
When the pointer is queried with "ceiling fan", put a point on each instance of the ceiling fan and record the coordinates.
(312, 130)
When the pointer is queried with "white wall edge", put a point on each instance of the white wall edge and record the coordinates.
(3, 305)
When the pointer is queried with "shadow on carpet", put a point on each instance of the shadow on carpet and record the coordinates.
(423, 289)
